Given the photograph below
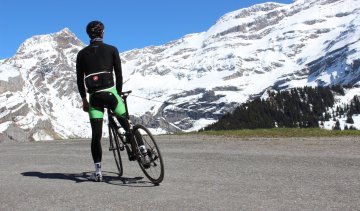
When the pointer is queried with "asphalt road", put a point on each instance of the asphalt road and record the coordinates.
(201, 173)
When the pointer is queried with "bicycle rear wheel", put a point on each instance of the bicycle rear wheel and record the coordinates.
(155, 173)
(115, 147)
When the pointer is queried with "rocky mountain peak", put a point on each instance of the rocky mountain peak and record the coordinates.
(250, 11)
(248, 20)
(63, 40)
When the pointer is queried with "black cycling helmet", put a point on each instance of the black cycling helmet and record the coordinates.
(95, 29)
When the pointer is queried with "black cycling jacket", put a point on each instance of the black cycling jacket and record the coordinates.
(95, 58)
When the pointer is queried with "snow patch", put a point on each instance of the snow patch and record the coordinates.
(42, 135)
(4, 126)
(8, 71)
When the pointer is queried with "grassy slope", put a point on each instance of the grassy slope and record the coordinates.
(284, 132)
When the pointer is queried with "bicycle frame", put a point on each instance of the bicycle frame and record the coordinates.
(133, 153)
(135, 139)
(114, 127)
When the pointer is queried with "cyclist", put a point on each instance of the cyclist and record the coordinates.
(95, 65)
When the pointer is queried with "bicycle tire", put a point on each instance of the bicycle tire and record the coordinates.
(155, 173)
(114, 138)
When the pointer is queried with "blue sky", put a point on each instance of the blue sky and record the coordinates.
(129, 24)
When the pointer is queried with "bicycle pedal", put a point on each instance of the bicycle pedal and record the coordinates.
(112, 148)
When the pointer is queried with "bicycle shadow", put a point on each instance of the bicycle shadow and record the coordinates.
(108, 177)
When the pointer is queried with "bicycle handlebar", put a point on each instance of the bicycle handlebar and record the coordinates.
(125, 94)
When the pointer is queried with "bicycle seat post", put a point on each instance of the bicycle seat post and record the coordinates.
(124, 96)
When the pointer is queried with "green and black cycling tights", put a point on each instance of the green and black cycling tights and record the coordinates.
(98, 101)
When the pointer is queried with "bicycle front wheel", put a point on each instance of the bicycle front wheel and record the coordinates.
(154, 172)
(115, 147)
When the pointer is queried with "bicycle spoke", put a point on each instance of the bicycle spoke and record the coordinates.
(115, 147)
(155, 172)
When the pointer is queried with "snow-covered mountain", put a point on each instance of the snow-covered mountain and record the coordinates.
(37, 90)
(190, 82)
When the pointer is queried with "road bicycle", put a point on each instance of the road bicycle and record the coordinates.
(154, 166)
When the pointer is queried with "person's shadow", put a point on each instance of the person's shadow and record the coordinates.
(108, 177)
